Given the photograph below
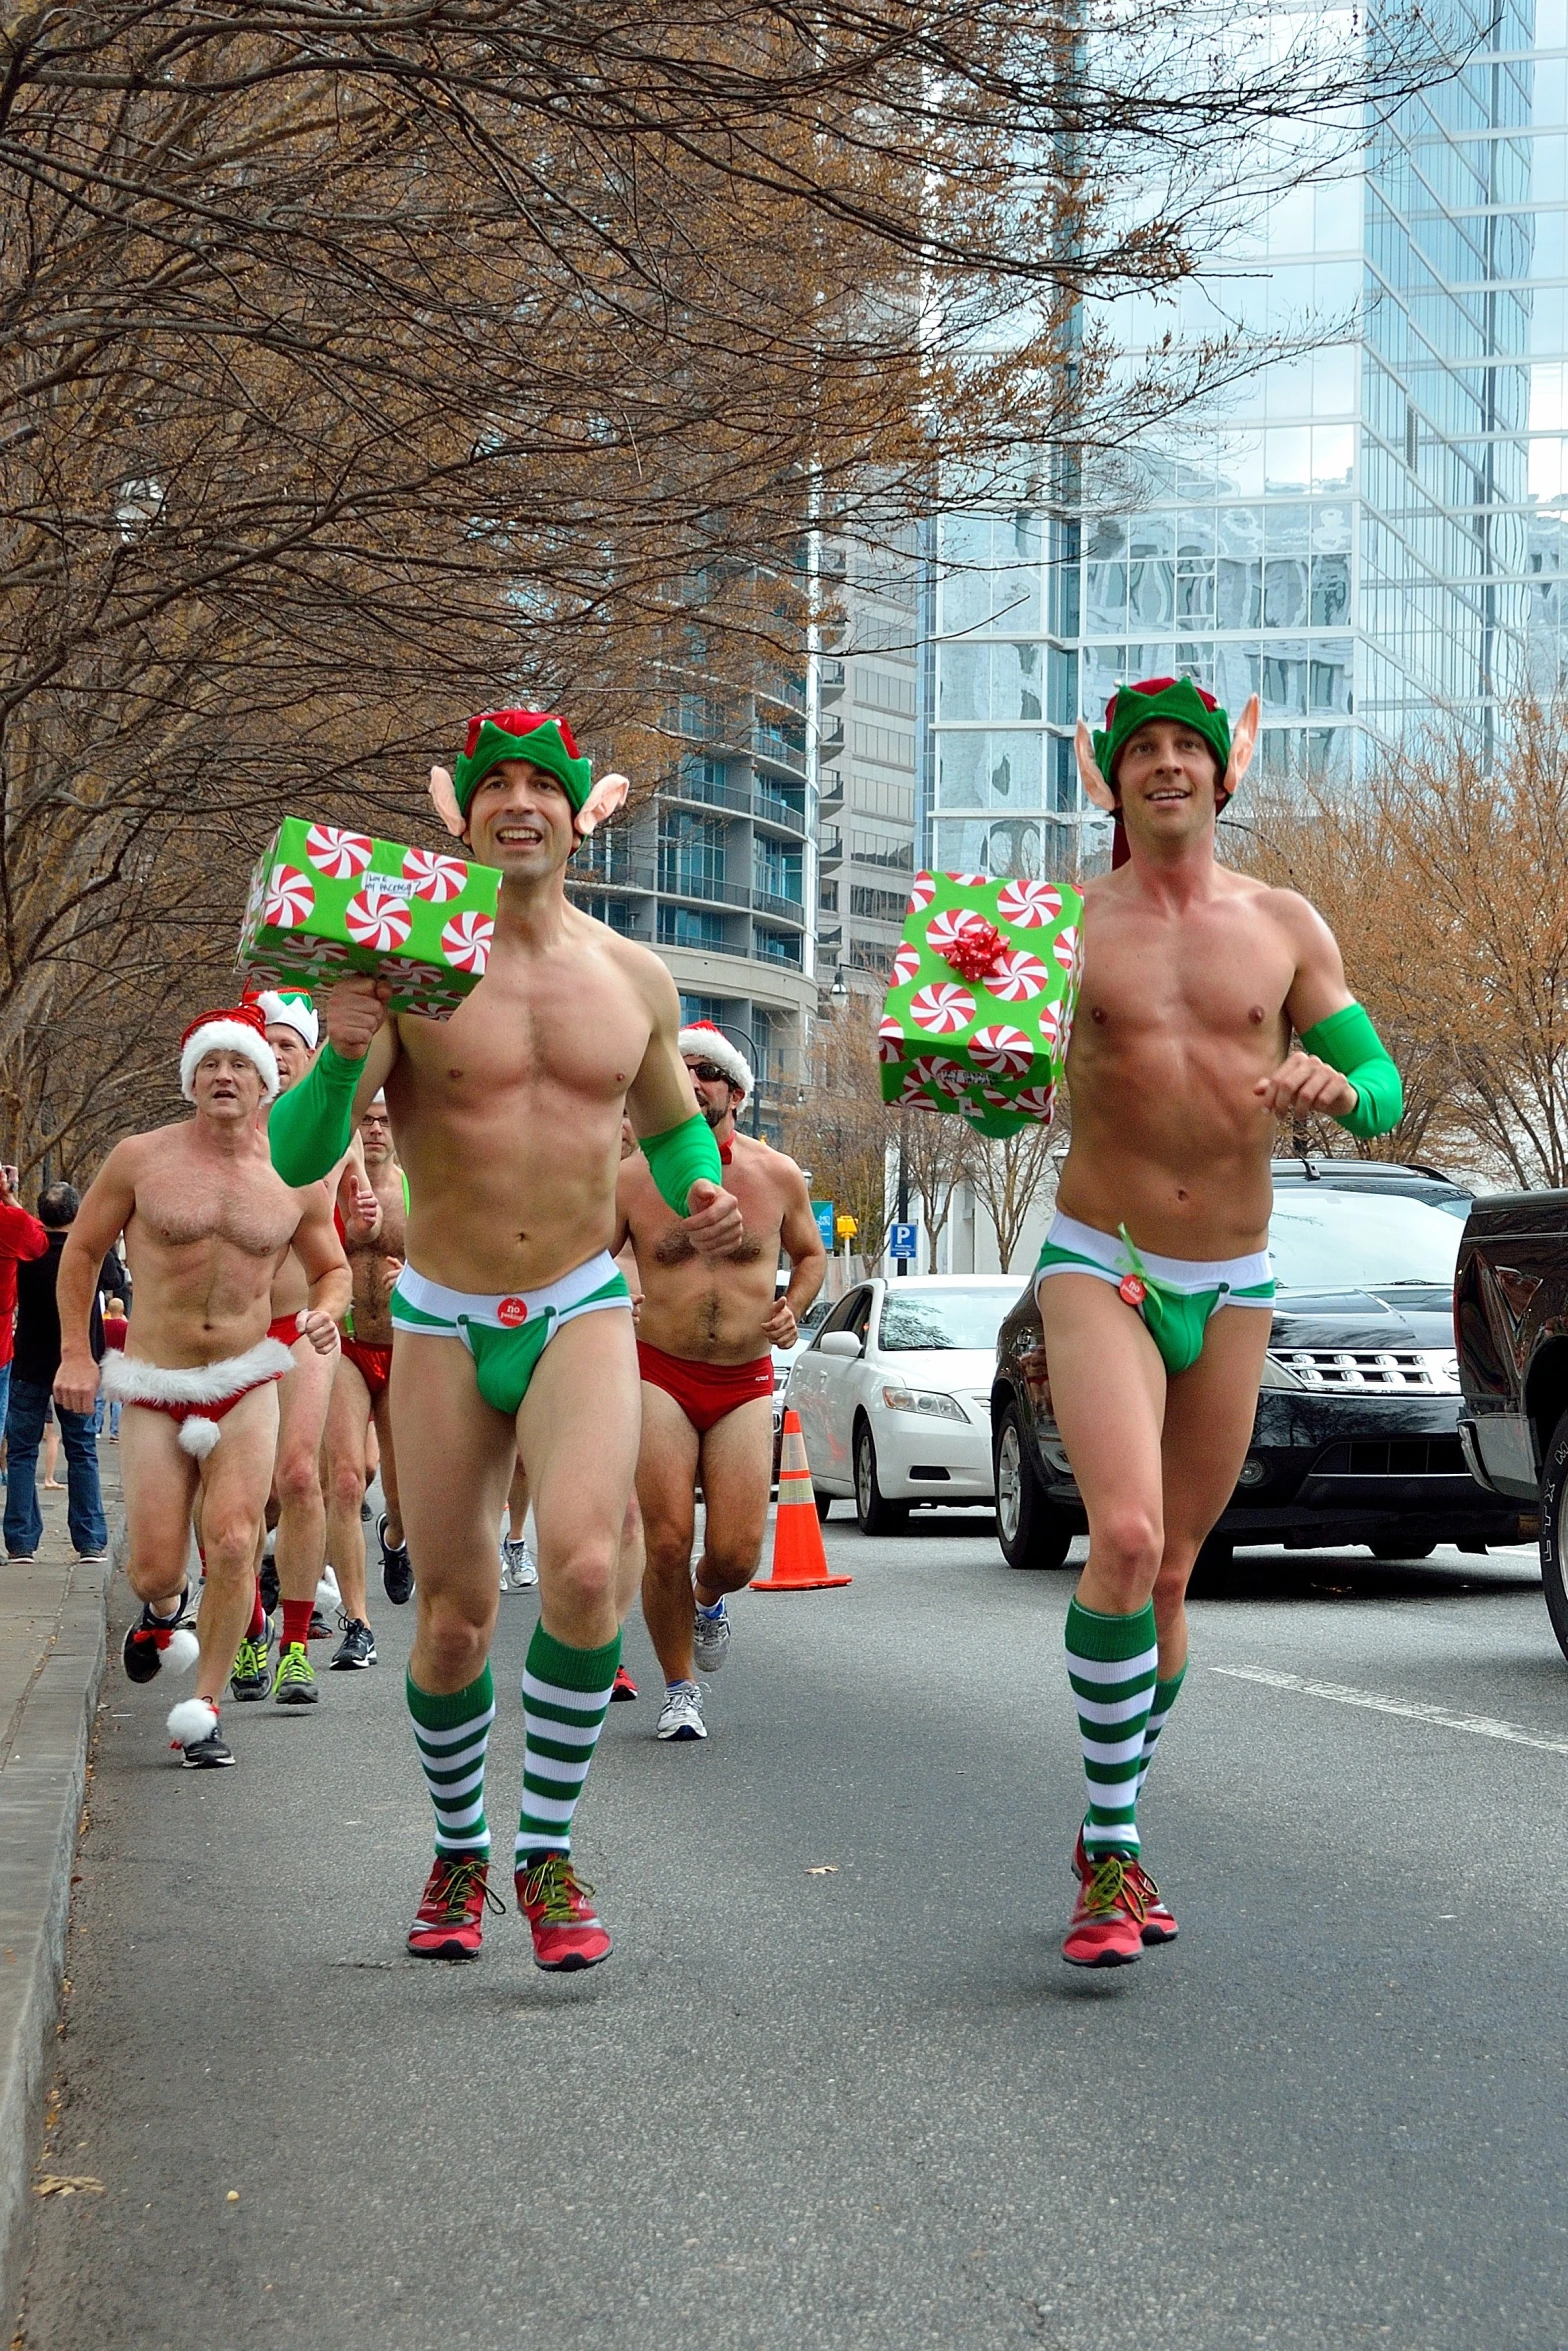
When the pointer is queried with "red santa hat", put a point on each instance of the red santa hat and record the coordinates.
(704, 1042)
(236, 1028)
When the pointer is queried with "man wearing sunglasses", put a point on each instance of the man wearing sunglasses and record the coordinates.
(704, 1341)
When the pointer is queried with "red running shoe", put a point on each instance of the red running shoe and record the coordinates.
(560, 1915)
(1108, 1916)
(623, 1687)
(449, 1923)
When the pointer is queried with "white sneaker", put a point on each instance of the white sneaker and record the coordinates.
(680, 1717)
(710, 1639)
(515, 1556)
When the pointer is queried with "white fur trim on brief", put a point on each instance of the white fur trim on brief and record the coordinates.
(131, 1379)
(710, 1044)
(191, 1721)
(180, 1651)
(228, 1036)
(290, 1012)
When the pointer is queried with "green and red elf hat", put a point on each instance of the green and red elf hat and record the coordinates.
(539, 735)
(1132, 707)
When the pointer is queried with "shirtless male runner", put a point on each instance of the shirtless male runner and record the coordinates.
(300, 1553)
(206, 1222)
(512, 1325)
(703, 1349)
(1154, 1284)
(376, 1251)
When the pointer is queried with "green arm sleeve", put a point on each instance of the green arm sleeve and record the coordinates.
(312, 1125)
(679, 1158)
(1348, 1042)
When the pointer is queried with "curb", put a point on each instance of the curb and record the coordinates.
(42, 1786)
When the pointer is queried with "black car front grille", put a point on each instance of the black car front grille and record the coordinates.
(1392, 1457)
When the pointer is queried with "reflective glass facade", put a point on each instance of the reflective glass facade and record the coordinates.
(1365, 535)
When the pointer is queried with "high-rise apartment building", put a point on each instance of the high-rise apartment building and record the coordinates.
(715, 874)
(868, 722)
(1365, 535)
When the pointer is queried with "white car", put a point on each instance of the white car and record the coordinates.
(894, 1395)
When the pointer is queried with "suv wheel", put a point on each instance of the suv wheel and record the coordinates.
(1554, 1531)
(1031, 1531)
(873, 1515)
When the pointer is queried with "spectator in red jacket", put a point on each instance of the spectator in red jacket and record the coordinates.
(22, 1238)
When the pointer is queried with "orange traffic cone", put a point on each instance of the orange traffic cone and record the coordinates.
(799, 1562)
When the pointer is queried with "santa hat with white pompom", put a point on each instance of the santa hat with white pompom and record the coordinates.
(236, 1028)
(702, 1041)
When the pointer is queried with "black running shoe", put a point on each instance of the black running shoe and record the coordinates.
(397, 1569)
(213, 1753)
(252, 1674)
(269, 1586)
(141, 1652)
(357, 1647)
(320, 1630)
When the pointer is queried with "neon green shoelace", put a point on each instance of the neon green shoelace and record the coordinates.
(1115, 1885)
(555, 1885)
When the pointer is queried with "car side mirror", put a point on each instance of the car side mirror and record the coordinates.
(843, 1345)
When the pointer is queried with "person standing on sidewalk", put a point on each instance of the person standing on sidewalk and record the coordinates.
(22, 1238)
(34, 1364)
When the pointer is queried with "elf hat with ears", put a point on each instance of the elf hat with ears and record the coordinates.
(1179, 700)
(537, 735)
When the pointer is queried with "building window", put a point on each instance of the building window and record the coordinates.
(614, 913)
(776, 869)
(877, 905)
(777, 946)
(695, 1008)
(691, 852)
(864, 956)
(683, 926)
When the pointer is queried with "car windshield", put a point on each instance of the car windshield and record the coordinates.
(931, 1319)
(1323, 1240)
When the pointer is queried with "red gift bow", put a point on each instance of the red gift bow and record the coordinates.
(976, 951)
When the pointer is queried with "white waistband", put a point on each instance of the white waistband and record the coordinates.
(434, 1298)
(1191, 1274)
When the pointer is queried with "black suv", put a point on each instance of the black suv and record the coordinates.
(1357, 1432)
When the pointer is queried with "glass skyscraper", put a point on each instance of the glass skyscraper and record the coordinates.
(1366, 534)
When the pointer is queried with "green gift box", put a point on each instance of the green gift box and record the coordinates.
(325, 903)
(980, 1011)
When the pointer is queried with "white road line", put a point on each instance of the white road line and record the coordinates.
(1482, 1725)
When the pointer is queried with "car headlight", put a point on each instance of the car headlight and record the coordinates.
(1278, 1375)
(926, 1400)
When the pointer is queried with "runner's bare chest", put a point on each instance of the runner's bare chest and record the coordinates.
(558, 1030)
(1210, 983)
(186, 1203)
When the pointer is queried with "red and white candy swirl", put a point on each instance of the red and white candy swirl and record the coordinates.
(946, 929)
(434, 877)
(465, 941)
(337, 854)
(1017, 976)
(372, 919)
(905, 965)
(922, 891)
(1003, 1049)
(943, 1009)
(1065, 948)
(290, 897)
(1029, 904)
(1036, 1102)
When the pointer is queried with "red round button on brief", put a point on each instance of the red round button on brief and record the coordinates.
(1131, 1289)
(512, 1311)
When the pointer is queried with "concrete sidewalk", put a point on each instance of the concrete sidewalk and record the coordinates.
(51, 1664)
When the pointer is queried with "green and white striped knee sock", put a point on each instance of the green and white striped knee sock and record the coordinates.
(1159, 1712)
(566, 1695)
(452, 1733)
(1111, 1663)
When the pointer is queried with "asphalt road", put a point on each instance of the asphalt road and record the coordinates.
(869, 2108)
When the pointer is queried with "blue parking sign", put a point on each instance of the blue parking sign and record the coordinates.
(901, 1241)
